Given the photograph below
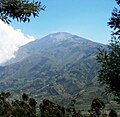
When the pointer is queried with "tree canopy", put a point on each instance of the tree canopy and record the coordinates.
(21, 10)
(109, 59)
(114, 22)
(96, 107)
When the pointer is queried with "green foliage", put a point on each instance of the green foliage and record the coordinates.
(47, 108)
(50, 109)
(33, 103)
(109, 74)
(114, 22)
(25, 97)
(19, 9)
(109, 59)
(96, 106)
(113, 113)
(22, 109)
(15, 108)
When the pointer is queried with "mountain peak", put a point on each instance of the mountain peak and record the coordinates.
(59, 36)
(58, 65)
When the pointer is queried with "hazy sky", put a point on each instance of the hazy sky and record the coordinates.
(86, 18)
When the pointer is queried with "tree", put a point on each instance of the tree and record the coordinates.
(113, 113)
(114, 22)
(33, 103)
(51, 109)
(96, 106)
(19, 9)
(109, 59)
(25, 97)
(16, 108)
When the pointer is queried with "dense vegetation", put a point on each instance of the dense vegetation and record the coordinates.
(28, 107)
(109, 59)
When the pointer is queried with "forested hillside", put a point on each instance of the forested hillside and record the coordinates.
(60, 66)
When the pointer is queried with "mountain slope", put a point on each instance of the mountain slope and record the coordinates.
(58, 66)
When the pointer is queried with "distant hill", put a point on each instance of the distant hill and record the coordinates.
(59, 66)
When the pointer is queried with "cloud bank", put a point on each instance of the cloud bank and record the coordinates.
(10, 41)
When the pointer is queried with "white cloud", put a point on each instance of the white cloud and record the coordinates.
(10, 41)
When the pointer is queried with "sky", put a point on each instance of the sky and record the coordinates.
(85, 18)
(10, 41)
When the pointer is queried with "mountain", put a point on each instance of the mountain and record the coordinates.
(60, 66)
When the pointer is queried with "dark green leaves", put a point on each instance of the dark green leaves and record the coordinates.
(118, 2)
(96, 106)
(21, 10)
(25, 97)
(109, 74)
(114, 21)
(109, 59)
(16, 108)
